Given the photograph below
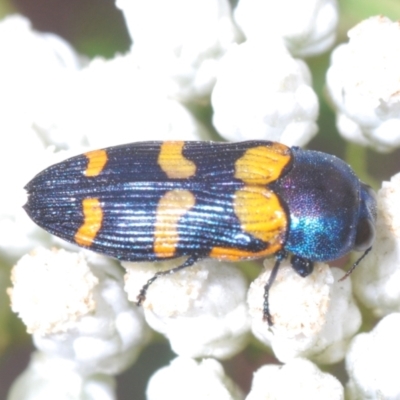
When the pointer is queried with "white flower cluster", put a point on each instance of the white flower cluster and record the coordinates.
(31, 63)
(201, 310)
(259, 99)
(313, 317)
(377, 283)
(240, 62)
(364, 84)
(84, 328)
(201, 380)
(297, 379)
(309, 28)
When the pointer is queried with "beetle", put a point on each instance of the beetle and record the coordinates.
(151, 201)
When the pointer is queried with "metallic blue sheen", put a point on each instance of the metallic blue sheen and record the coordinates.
(322, 196)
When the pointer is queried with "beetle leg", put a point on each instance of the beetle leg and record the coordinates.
(302, 266)
(278, 258)
(188, 263)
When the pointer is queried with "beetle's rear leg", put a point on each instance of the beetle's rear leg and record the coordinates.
(188, 263)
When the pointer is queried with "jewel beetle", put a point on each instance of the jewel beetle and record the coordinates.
(151, 201)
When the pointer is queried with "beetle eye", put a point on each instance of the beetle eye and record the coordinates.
(365, 235)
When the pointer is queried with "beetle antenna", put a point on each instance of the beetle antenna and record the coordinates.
(349, 272)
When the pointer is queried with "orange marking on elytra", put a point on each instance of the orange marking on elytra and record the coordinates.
(171, 207)
(173, 163)
(97, 160)
(262, 164)
(92, 220)
(261, 215)
(232, 254)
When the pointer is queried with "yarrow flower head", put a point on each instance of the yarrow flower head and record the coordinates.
(186, 378)
(309, 28)
(141, 112)
(363, 82)
(313, 317)
(31, 63)
(367, 357)
(48, 377)
(180, 42)
(41, 296)
(299, 378)
(64, 298)
(377, 283)
(201, 310)
(255, 98)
